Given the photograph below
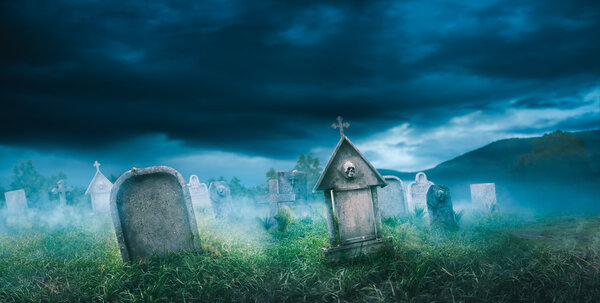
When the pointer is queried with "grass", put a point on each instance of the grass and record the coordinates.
(491, 258)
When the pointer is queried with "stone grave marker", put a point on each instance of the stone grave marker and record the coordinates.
(439, 206)
(349, 183)
(484, 194)
(220, 197)
(392, 199)
(16, 201)
(198, 193)
(99, 191)
(61, 190)
(417, 192)
(152, 213)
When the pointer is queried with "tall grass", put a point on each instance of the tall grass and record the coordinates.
(240, 261)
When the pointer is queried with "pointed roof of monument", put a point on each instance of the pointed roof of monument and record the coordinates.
(333, 176)
(98, 177)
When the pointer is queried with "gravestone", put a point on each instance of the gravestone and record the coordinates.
(484, 194)
(439, 206)
(220, 197)
(152, 213)
(350, 184)
(16, 201)
(61, 190)
(198, 193)
(417, 192)
(392, 199)
(300, 185)
(99, 191)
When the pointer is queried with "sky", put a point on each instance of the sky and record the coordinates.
(233, 88)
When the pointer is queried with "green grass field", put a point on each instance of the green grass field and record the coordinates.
(491, 258)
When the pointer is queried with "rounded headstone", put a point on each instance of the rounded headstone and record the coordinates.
(439, 206)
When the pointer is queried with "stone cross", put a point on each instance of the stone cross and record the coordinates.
(62, 191)
(340, 125)
(97, 165)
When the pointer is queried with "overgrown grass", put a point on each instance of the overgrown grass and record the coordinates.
(491, 258)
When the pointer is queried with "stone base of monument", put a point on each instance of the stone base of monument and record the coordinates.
(356, 249)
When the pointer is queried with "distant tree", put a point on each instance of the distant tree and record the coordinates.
(557, 154)
(237, 189)
(311, 166)
(2, 191)
(25, 176)
(271, 174)
(113, 178)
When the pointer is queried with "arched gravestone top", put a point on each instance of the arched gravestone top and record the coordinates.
(152, 213)
(392, 199)
(220, 197)
(417, 191)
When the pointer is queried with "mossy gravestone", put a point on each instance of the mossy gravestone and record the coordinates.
(439, 206)
(152, 213)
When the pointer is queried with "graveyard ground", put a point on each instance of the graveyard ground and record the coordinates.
(491, 258)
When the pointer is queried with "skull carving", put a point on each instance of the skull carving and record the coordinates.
(349, 170)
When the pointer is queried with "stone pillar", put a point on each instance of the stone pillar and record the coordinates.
(376, 211)
(330, 219)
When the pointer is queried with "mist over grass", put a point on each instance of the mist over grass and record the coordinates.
(71, 255)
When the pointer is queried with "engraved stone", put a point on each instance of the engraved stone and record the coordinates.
(198, 193)
(417, 192)
(439, 206)
(484, 194)
(392, 199)
(16, 201)
(220, 197)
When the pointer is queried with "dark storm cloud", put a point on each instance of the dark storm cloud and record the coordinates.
(269, 78)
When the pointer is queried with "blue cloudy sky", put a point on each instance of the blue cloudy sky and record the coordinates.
(232, 88)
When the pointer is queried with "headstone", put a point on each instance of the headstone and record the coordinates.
(152, 213)
(392, 199)
(439, 206)
(484, 194)
(300, 185)
(220, 197)
(16, 201)
(198, 193)
(417, 191)
(61, 190)
(99, 191)
(350, 182)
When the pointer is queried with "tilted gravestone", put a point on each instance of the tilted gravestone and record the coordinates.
(198, 193)
(349, 183)
(220, 197)
(99, 191)
(16, 201)
(152, 213)
(484, 194)
(439, 206)
(417, 192)
(392, 199)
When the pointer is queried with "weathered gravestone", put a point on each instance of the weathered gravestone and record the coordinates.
(484, 194)
(61, 190)
(152, 213)
(392, 199)
(275, 199)
(350, 184)
(417, 192)
(16, 201)
(198, 193)
(439, 206)
(99, 191)
(220, 197)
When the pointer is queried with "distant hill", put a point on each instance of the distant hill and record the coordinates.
(549, 172)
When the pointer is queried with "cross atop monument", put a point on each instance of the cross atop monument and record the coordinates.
(97, 165)
(341, 125)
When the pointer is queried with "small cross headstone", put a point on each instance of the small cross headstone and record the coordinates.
(152, 213)
(484, 194)
(99, 191)
(349, 183)
(392, 199)
(220, 197)
(16, 201)
(439, 206)
(61, 190)
(341, 125)
(198, 193)
(417, 192)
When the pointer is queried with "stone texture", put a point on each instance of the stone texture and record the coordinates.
(392, 198)
(198, 193)
(439, 206)
(152, 213)
(61, 190)
(350, 184)
(417, 192)
(484, 194)
(220, 197)
(16, 201)
(99, 191)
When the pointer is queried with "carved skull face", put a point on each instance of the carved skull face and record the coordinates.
(221, 190)
(440, 195)
(349, 170)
